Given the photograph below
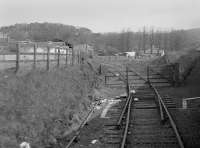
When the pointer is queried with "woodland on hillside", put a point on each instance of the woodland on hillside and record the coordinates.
(106, 43)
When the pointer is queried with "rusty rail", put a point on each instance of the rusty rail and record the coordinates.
(163, 106)
(127, 123)
(123, 111)
(80, 127)
(162, 109)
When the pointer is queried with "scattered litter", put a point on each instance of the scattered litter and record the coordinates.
(25, 145)
(133, 91)
(103, 101)
(114, 101)
(117, 74)
(105, 110)
(136, 99)
(98, 107)
(94, 141)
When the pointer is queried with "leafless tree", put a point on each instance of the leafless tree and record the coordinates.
(151, 39)
(144, 39)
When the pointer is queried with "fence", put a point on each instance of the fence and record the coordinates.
(113, 58)
(190, 102)
(36, 54)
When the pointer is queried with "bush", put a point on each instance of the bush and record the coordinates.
(40, 106)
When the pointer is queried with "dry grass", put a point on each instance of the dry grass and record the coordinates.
(40, 106)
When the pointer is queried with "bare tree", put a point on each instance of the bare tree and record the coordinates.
(139, 40)
(144, 39)
(151, 39)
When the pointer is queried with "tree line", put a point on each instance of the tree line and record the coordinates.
(143, 40)
(41, 32)
(104, 43)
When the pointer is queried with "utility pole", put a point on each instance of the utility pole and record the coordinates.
(17, 57)
(152, 40)
(127, 83)
(144, 39)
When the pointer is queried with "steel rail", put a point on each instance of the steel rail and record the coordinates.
(159, 103)
(194, 98)
(127, 107)
(161, 106)
(127, 123)
(80, 127)
(123, 111)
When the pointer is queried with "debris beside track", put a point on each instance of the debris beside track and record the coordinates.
(108, 106)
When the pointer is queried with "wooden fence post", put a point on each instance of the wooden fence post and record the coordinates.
(105, 80)
(34, 56)
(66, 60)
(72, 56)
(48, 50)
(58, 59)
(127, 83)
(82, 58)
(100, 70)
(184, 104)
(17, 57)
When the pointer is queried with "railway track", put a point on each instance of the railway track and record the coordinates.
(147, 130)
(142, 118)
(145, 120)
(141, 125)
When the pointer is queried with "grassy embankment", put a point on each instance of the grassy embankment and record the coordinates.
(39, 107)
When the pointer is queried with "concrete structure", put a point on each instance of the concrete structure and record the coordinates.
(4, 37)
(130, 54)
(41, 47)
(151, 52)
(127, 54)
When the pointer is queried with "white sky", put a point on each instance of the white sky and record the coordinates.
(104, 15)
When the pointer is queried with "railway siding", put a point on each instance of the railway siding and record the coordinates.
(143, 118)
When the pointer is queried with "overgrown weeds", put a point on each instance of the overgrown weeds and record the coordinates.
(40, 106)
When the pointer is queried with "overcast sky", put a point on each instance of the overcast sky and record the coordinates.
(104, 15)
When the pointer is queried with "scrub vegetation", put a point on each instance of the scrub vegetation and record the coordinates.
(40, 107)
